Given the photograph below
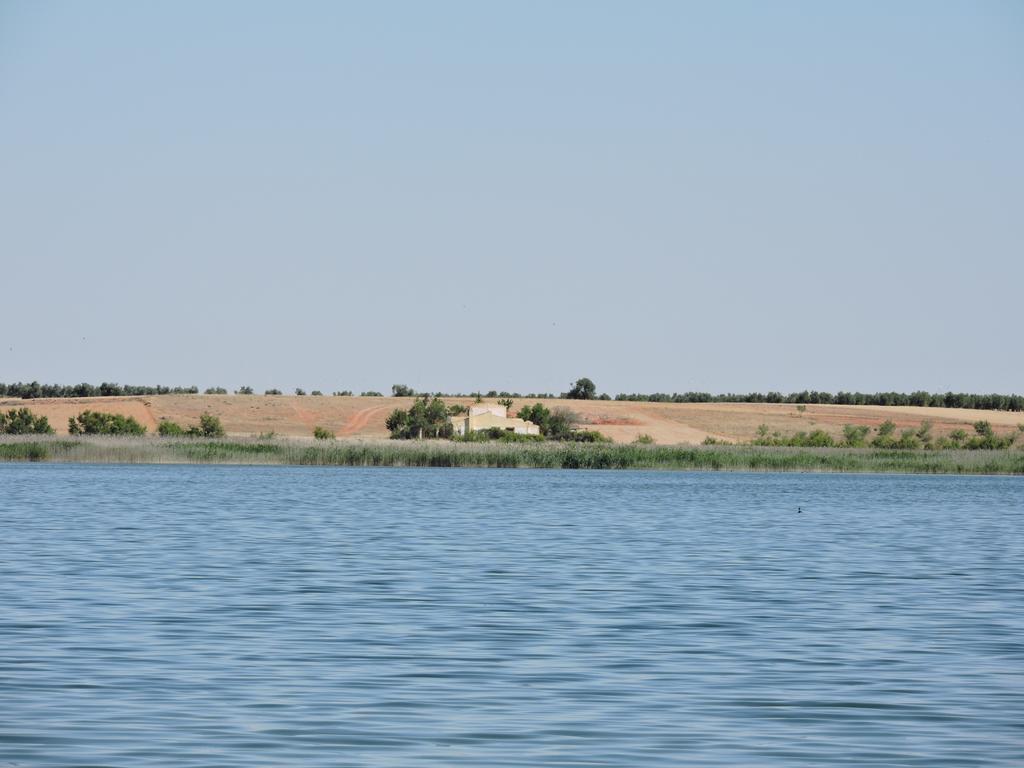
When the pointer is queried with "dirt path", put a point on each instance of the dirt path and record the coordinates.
(306, 417)
(149, 418)
(361, 419)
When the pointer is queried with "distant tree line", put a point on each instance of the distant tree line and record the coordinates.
(583, 389)
(991, 402)
(33, 390)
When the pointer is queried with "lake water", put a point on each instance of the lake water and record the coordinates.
(238, 616)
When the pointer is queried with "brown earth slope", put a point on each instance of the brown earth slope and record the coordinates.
(363, 417)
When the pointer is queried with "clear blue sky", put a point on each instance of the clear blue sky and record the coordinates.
(457, 196)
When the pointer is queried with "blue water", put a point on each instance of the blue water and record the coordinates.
(231, 616)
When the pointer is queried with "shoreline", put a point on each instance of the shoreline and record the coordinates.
(394, 453)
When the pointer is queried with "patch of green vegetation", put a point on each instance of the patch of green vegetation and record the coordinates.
(209, 426)
(322, 433)
(426, 418)
(21, 421)
(23, 452)
(98, 423)
(168, 428)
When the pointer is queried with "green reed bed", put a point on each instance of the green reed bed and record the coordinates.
(441, 453)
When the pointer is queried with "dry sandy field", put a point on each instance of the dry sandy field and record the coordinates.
(363, 417)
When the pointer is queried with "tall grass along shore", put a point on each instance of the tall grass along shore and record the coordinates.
(391, 453)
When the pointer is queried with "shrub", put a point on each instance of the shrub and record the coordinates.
(507, 402)
(209, 426)
(169, 429)
(801, 408)
(587, 436)
(21, 421)
(243, 391)
(272, 392)
(371, 393)
(496, 434)
(316, 393)
(300, 391)
(343, 393)
(855, 436)
(400, 390)
(983, 428)
(644, 439)
(885, 438)
(215, 391)
(819, 438)
(321, 433)
(908, 441)
(97, 423)
(457, 410)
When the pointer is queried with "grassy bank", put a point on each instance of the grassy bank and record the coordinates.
(539, 455)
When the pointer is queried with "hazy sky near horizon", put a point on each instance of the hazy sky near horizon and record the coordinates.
(662, 196)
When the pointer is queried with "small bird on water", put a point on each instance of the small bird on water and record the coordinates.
(799, 509)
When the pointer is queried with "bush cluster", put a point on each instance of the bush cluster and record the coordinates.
(499, 434)
(21, 421)
(209, 426)
(98, 423)
(886, 438)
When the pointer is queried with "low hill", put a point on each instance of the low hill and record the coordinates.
(363, 417)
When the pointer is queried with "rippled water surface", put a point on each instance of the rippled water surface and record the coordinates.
(230, 616)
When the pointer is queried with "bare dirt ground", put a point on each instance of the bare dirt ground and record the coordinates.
(363, 417)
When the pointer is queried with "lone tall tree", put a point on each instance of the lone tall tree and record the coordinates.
(583, 389)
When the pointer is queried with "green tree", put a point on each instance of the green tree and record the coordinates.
(554, 425)
(427, 418)
(400, 390)
(583, 389)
